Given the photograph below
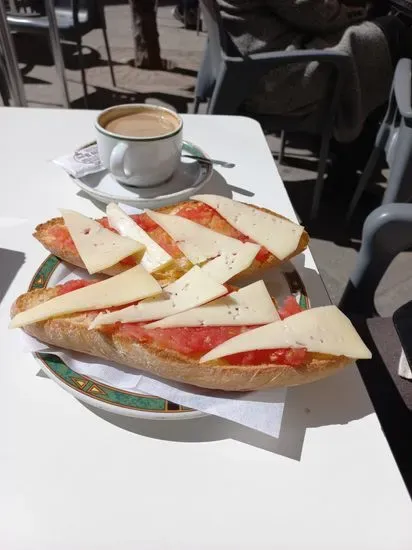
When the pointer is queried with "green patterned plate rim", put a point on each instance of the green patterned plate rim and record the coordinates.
(114, 399)
(98, 392)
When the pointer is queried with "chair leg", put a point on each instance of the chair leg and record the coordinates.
(198, 20)
(83, 71)
(320, 180)
(56, 48)
(363, 182)
(4, 93)
(196, 105)
(281, 154)
(4, 84)
(205, 80)
(109, 55)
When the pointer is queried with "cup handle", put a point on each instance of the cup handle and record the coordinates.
(117, 161)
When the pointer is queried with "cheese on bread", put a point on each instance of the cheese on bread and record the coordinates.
(98, 247)
(320, 330)
(194, 288)
(197, 242)
(155, 258)
(279, 235)
(130, 286)
(251, 305)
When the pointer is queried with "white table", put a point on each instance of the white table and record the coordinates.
(74, 479)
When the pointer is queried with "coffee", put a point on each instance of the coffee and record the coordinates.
(143, 123)
(139, 144)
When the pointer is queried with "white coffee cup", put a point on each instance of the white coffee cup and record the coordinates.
(145, 160)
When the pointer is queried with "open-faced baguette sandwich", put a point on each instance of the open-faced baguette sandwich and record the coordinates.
(195, 330)
(175, 238)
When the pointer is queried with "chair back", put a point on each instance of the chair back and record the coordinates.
(387, 231)
(219, 42)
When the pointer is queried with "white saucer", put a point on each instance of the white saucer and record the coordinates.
(188, 179)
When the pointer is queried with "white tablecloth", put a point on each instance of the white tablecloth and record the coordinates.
(73, 478)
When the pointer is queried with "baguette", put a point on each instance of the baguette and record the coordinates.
(71, 332)
(171, 273)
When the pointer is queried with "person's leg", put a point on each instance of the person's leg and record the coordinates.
(186, 12)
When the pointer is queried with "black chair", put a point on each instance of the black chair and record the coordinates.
(75, 18)
(227, 78)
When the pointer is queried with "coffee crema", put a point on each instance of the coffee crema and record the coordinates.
(150, 123)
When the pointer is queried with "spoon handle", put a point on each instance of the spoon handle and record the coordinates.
(210, 161)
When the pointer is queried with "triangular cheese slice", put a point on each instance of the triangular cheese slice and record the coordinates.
(130, 286)
(98, 247)
(198, 243)
(319, 330)
(251, 305)
(280, 236)
(229, 264)
(194, 288)
(155, 257)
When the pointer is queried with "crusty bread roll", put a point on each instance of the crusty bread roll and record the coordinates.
(180, 266)
(71, 332)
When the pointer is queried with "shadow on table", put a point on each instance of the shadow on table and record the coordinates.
(339, 399)
(383, 384)
(217, 185)
(10, 263)
(331, 224)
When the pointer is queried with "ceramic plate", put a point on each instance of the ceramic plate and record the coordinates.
(188, 180)
(286, 281)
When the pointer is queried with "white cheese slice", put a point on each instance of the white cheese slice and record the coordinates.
(130, 286)
(98, 247)
(155, 257)
(229, 264)
(322, 330)
(251, 305)
(281, 237)
(193, 289)
(198, 243)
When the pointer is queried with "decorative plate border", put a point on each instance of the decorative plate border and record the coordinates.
(87, 386)
(109, 397)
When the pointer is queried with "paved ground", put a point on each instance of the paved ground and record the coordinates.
(334, 243)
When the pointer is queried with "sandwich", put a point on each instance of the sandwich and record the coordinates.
(196, 329)
(175, 238)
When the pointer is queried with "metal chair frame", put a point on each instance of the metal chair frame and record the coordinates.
(29, 23)
(394, 139)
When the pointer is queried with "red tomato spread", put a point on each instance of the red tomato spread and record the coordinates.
(73, 285)
(196, 211)
(290, 307)
(196, 341)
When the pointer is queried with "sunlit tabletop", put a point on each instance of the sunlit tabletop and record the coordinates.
(75, 478)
